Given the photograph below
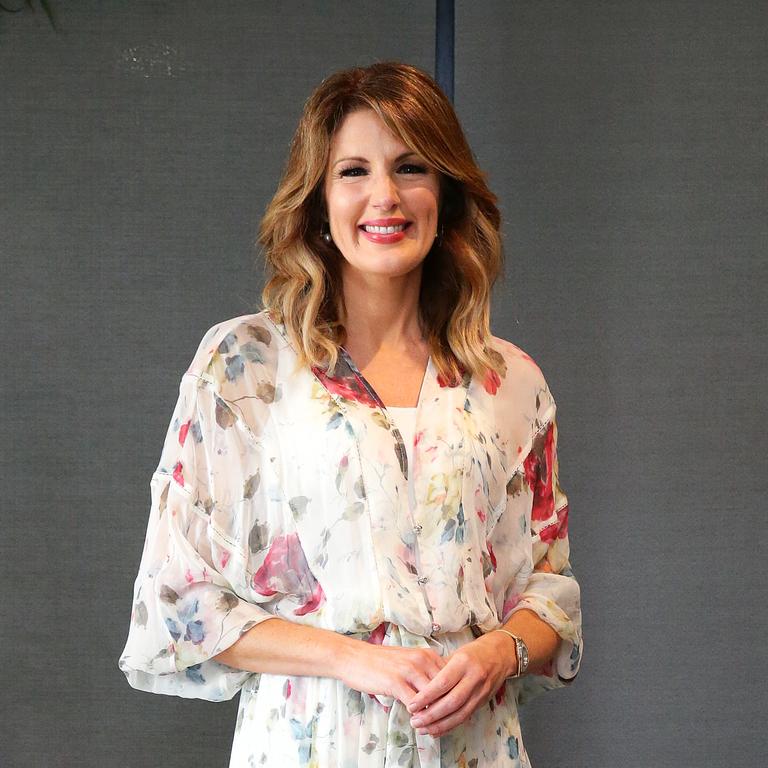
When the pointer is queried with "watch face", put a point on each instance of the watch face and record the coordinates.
(522, 656)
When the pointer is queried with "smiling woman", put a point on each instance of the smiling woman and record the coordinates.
(369, 137)
(378, 600)
(382, 210)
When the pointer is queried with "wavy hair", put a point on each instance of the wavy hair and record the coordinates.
(304, 288)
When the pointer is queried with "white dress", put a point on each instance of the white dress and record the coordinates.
(294, 494)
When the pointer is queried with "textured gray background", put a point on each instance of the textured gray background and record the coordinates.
(627, 144)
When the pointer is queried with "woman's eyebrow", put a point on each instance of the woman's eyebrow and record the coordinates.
(363, 160)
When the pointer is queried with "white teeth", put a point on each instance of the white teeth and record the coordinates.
(384, 230)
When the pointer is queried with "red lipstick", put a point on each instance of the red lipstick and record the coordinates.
(384, 238)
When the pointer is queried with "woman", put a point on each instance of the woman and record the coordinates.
(356, 520)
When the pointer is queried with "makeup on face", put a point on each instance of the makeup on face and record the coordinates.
(382, 198)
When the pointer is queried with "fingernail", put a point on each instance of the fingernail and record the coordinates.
(416, 722)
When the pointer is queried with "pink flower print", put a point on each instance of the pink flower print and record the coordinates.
(347, 387)
(178, 474)
(285, 570)
(314, 602)
(448, 381)
(183, 432)
(479, 504)
(491, 555)
(558, 530)
(224, 558)
(530, 360)
(538, 475)
(377, 636)
(491, 381)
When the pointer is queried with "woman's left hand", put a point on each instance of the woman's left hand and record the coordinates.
(471, 675)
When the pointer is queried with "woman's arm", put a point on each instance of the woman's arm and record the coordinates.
(541, 639)
(277, 646)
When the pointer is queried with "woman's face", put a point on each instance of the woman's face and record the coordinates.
(373, 178)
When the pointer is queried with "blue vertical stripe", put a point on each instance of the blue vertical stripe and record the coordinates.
(444, 36)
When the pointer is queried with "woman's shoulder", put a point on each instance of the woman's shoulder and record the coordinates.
(520, 376)
(228, 346)
(516, 358)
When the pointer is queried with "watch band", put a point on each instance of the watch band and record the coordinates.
(521, 652)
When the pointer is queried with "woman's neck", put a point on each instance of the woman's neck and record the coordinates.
(382, 313)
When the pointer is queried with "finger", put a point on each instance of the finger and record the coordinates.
(433, 657)
(434, 668)
(442, 726)
(405, 692)
(445, 706)
(428, 664)
(421, 677)
(439, 685)
(420, 680)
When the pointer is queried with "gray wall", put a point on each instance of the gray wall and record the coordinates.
(627, 144)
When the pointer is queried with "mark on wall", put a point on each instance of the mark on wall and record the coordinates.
(152, 60)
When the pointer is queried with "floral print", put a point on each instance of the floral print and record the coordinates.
(283, 491)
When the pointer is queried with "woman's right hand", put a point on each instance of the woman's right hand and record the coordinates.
(389, 670)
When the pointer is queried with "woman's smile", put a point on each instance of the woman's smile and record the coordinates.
(385, 230)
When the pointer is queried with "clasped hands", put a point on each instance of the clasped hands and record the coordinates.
(439, 692)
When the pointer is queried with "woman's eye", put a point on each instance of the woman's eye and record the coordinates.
(413, 168)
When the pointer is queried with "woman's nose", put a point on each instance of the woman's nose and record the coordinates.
(384, 194)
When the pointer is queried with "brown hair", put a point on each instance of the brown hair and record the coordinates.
(304, 288)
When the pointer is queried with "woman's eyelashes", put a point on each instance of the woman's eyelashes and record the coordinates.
(414, 169)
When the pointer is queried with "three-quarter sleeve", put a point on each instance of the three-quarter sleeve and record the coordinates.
(552, 591)
(188, 602)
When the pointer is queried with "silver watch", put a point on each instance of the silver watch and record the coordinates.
(521, 649)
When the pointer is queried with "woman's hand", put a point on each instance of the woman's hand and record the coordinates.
(390, 670)
(471, 675)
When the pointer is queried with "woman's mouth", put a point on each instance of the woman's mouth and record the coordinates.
(391, 234)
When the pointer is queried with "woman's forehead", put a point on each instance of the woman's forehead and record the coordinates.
(362, 131)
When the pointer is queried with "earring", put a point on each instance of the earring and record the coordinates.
(439, 235)
(326, 236)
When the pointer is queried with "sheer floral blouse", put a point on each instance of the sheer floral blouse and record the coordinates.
(291, 493)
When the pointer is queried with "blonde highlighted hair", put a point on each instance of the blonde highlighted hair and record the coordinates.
(304, 289)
